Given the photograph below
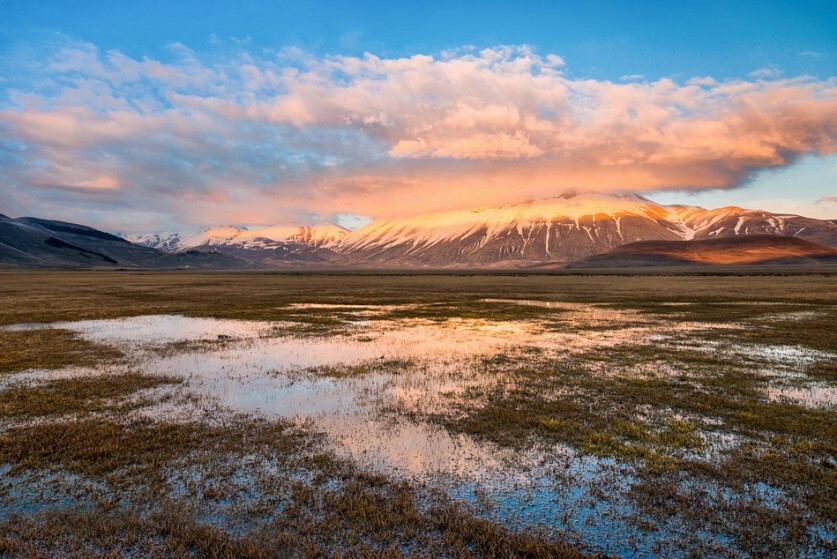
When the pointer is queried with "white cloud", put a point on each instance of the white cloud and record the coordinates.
(770, 71)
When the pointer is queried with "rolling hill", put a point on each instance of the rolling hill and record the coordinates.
(746, 250)
(37, 242)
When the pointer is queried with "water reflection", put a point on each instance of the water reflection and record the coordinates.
(346, 386)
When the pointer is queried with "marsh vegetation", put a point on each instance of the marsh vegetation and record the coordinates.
(273, 415)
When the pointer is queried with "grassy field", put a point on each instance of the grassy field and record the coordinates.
(174, 489)
(44, 296)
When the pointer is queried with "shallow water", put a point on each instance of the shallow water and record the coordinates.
(262, 368)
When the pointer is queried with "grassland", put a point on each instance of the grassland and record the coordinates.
(79, 295)
(172, 489)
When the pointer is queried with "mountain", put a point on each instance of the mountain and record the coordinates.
(165, 242)
(278, 245)
(742, 250)
(30, 241)
(566, 228)
(255, 238)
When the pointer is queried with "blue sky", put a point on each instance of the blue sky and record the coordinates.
(603, 39)
(252, 138)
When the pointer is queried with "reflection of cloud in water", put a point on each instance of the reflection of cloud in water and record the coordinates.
(411, 364)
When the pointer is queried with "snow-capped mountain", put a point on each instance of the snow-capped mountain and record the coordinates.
(243, 237)
(166, 242)
(565, 228)
(279, 245)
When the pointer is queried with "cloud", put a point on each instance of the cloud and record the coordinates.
(267, 136)
(770, 71)
(827, 200)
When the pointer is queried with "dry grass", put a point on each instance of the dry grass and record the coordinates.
(661, 425)
(332, 510)
(97, 447)
(49, 348)
(362, 522)
(78, 395)
(44, 296)
(303, 503)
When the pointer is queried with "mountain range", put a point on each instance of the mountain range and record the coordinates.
(286, 244)
(562, 229)
(547, 233)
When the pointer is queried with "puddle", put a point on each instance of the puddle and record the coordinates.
(582, 313)
(815, 395)
(409, 365)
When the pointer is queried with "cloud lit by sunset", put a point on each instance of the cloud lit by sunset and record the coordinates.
(258, 135)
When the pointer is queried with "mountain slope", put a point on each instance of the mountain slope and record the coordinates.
(31, 241)
(743, 250)
(732, 221)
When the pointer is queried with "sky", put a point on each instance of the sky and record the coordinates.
(140, 116)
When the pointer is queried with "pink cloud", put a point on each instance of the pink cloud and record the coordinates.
(364, 134)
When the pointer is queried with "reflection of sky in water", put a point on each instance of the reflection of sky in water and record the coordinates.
(818, 395)
(259, 370)
(162, 329)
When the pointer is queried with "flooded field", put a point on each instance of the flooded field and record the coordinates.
(269, 415)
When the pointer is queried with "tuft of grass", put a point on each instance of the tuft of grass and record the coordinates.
(334, 509)
(77, 395)
(817, 331)
(472, 309)
(96, 447)
(50, 348)
(391, 366)
(366, 518)
(823, 371)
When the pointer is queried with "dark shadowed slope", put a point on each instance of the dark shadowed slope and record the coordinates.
(31, 241)
(748, 250)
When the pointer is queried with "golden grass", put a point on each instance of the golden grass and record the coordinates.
(78, 395)
(49, 348)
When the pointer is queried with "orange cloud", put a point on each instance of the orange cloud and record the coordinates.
(383, 136)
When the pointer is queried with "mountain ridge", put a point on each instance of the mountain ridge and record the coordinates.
(566, 228)
(563, 228)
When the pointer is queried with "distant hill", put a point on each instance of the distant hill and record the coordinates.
(30, 241)
(750, 250)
